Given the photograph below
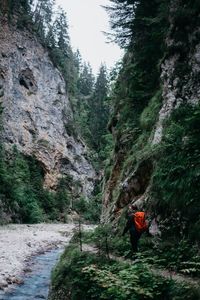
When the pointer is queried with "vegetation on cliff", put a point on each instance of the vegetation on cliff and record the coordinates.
(145, 30)
(23, 198)
(84, 275)
(90, 105)
(175, 188)
(152, 32)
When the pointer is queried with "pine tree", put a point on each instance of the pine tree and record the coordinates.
(50, 39)
(18, 8)
(17, 5)
(58, 42)
(61, 29)
(121, 14)
(42, 16)
(98, 117)
(86, 80)
(140, 27)
(77, 60)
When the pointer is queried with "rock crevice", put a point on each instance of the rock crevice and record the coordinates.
(36, 110)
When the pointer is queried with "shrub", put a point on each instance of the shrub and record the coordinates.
(175, 182)
(150, 113)
(22, 193)
(87, 276)
(89, 209)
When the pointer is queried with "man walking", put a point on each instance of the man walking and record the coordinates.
(136, 224)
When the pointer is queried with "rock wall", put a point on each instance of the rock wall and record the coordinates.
(180, 70)
(180, 83)
(37, 117)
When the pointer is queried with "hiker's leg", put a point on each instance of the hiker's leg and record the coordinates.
(134, 241)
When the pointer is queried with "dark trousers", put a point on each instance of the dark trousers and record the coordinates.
(134, 239)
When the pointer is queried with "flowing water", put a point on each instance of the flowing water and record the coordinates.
(36, 283)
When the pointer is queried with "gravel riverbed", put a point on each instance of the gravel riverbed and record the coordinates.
(18, 243)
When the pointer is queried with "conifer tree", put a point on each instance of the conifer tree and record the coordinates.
(19, 8)
(77, 60)
(17, 5)
(61, 28)
(86, 80)
(50, 39)
(42, 16)
(121, 14)
(99, 109)
(139, 27)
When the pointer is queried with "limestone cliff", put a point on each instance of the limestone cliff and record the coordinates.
(179, 70)
(37, 116)
(130, 179)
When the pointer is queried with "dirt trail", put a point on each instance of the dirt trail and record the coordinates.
(156, 271)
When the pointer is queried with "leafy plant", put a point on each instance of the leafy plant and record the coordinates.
(84, 275)
(176, 174)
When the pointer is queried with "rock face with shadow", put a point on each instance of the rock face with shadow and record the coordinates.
(133, 160)
(180, 70)
(37, 116)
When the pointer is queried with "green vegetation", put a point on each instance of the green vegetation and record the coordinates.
(169, 169)
(89, 210)
(23, 199)
(137, 100)
(165, 252)
(175, 187)
(84, 275)
(22, 196)
(89, 98)
(149, 115)
(141, 27)
(91, 110)
(99, 114)
(99, 275)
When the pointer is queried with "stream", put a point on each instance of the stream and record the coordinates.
(35, 283)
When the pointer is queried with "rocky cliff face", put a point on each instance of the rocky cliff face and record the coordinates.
(37, 117)
(131, 177)
(180, 70)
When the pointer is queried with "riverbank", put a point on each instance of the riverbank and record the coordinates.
(18, 243)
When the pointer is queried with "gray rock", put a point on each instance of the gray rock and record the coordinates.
(36, 109)
(179, 88)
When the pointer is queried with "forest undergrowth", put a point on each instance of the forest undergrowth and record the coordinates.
(98, 270)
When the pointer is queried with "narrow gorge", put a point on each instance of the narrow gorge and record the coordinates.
(77, 148)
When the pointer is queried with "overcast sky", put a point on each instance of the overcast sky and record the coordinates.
(87, 19)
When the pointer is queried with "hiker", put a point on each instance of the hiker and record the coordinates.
(136, 224)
